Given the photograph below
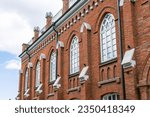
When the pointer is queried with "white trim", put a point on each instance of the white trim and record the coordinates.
(83, 74)
(86, 25)
(96, 4)
(26, 94)
(60, 44)
(127, 59)
(30, 65)
(121, 2)
(91, 7)
(56, 84)
(39, 90)
(42, 56)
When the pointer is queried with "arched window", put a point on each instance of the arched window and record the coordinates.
(74, 56)
(26, 79)
(111, 96)
(53, 67)
(37, 74)
(108, 38)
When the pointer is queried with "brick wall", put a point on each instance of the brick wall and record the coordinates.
(104, 78)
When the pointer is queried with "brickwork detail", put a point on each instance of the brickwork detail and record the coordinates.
(104, 77)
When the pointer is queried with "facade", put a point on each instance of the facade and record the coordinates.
(77, 55)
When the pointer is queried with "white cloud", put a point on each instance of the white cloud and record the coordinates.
(18, 19)
(13, 65)
(14, 31)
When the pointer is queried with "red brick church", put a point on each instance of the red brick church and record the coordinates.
(89, 50)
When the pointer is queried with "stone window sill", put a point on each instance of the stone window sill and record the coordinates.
(108, 62)
(35, 98)
(74, 75)
(50, 94)
(74, 89)
(117, 80)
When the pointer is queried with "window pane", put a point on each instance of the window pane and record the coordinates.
(114, 97)
(109, 44)
(108, 32)
(113, 29)
(114, 47)
(114, 53)
(114, 41)
(109, 97)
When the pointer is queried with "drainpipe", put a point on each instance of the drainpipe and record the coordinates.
(28, 55)
(54, 28)
(121, 51)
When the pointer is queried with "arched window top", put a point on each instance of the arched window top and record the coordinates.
(53, 67)
(26, 79)
(74, 55)
(74, 43)
(108, 21)
(111, 96)
(108, 38)
(37, 74)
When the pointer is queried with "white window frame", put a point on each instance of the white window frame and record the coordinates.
(26, 79)
(108, 38)
(111, 96)
(74, 55)
(53, 67)
(38, 70)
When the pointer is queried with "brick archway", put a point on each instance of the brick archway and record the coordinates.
(148, 76)
(144, 83)
(147, 70)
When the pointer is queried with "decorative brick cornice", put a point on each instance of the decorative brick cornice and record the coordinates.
(89, 7)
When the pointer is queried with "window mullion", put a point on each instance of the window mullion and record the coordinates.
(106, 45)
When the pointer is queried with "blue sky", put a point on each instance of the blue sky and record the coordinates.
(8, 77)
(17, 20)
